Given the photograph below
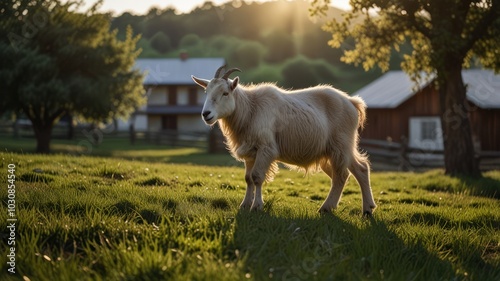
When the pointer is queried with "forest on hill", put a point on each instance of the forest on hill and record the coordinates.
(271, 42)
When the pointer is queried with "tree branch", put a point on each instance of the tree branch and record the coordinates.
(482, 26)
(56, 114)
(419, 26)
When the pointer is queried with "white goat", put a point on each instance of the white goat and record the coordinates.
(311, 129)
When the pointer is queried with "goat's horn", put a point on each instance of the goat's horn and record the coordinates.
(226, 75)
(217, 73)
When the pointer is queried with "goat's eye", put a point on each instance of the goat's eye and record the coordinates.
(225, 93)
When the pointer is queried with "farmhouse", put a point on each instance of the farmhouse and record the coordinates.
(174, 101)
(398, 109)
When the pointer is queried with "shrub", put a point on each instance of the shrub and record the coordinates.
(161, 42)
(302, 72)
(190, 40)
(248, 54)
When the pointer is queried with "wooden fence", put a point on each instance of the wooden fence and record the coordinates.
(393, 153)
(213, 140)
(409, 158)
(25, 130)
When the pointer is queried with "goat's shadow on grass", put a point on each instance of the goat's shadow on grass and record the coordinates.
(329, 247)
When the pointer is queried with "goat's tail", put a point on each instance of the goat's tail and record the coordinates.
(360, 105)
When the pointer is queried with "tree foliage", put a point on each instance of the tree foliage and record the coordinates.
(161, 42)
(446, 36)
(248, 54)
(56, 61)
(281, 31)
(466, 29)
(302, 73)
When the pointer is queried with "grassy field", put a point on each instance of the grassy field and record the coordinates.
(143, 216)
(120, 148)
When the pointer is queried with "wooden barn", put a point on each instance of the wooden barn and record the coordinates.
(399, 109)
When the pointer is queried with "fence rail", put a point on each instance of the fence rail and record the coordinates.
(409, 158)
(213, 140)
(399, 154)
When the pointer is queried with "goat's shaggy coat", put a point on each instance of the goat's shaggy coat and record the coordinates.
(311, 129)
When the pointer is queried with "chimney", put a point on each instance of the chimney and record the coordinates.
(183, 55)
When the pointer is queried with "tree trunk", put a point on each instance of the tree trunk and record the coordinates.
(43, 134)
(459, 155)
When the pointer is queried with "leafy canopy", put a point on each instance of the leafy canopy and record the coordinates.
(57, 61)
(437, 31)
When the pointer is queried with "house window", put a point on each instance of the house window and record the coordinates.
(157, 96)
(169, 122)
(193, 96)
(428, 130)
(425, 133)
(172, 95)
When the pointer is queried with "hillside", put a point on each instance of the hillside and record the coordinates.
(271, 41)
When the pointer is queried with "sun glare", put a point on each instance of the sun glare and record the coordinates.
(141, 7)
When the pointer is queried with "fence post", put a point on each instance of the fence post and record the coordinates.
(404, 162)
(211, 141)
(132, 133)
(71, 128)
(15, 127)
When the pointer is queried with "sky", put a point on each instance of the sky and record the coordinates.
(182, 6)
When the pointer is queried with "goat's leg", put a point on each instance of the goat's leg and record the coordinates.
(339, 177)
(263, 160)
(327, 169)
(361, 170)
(248, 200)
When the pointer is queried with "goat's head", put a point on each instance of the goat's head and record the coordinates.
(219, 102)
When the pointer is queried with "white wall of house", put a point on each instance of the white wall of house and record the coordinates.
(191, 123)
(201, 96)
(154, 123)
(158, 96)
(140, 125)
(182, 96)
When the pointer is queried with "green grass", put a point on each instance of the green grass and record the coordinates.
(119, 147)
(129, 218)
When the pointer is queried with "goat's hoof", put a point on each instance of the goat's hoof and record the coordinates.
(245, 205)
(257, 207)
(368, 214)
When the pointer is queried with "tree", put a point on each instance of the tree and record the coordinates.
(248, 54)
(446, 35)
(301, 72)
(57, 61)
(190, 40)
(161, 42)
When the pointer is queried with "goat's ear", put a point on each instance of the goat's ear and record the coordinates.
(202, 82)
(235, 83)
